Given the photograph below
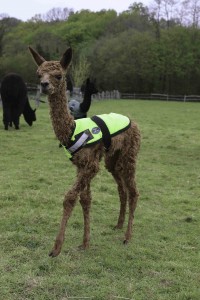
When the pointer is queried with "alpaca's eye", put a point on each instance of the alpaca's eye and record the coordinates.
(58, 77)
(39, 76)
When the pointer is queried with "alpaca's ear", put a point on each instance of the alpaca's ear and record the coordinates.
(66, 58)
(37, 58)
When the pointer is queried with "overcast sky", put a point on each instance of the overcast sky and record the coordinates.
(26, 9)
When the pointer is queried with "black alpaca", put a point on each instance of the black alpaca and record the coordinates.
(15, 101)
(79, 110)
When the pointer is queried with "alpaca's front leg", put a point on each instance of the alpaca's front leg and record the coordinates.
(68, 205)
(82, 187)
(85, 201)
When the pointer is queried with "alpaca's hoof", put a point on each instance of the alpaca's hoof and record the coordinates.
(83, 247)
(54, 253)
(125, 242)
(118, 226)
(57, 248)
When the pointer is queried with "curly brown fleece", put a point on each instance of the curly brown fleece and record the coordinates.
(120, 160)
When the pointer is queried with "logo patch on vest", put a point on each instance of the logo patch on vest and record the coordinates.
(96, 130)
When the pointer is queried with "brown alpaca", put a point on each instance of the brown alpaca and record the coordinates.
(120, 158)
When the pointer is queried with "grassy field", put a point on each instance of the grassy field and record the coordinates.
(162, 262)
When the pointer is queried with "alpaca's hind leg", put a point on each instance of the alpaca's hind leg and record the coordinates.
(123, 200)
(113, 166)
(133, 197)
(85, 201)
(122, 168)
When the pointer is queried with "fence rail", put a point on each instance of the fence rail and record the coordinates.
(115, 94)
(164, 97)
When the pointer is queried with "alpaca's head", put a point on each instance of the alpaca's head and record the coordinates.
(29, 113)
(52, 74)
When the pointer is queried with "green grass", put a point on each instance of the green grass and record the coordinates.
(162, 262)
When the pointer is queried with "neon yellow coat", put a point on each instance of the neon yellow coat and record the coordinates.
(115, 124)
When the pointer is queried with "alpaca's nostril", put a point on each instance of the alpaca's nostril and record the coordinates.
(44, 84)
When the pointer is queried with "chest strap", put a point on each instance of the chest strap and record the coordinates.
(106, 137)
(80, 142)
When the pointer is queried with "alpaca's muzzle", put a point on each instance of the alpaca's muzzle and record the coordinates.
(44, 87)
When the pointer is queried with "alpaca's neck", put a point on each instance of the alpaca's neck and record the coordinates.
(85, 105)
(87, 95)
(62, 121)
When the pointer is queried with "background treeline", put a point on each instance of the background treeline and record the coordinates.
(143, 49)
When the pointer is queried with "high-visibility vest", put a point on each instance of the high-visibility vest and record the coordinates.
(89, 131)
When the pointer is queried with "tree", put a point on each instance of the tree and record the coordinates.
(6, 25)
(138, 8)
(123, 62)
(55, 14)
(137, 17)
(192, 8)
(80, 71)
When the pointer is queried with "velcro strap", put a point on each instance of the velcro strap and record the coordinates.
(106, 137)
(79, 143)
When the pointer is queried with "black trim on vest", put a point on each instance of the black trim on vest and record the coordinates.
(106, 137)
